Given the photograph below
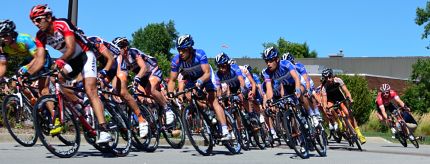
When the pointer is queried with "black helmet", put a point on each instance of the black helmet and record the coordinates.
(222, 58)
(121, 42)
(7, 26)
(328, 72)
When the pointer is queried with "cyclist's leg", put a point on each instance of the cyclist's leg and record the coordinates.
(333, 117)
(353, 122)
(219, 111)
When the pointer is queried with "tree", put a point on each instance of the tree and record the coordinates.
(361, 95)
(417, 96)
(423, 15)
(157, 39)
(297, 49)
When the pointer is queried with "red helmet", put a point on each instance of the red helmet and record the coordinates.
(39, 10)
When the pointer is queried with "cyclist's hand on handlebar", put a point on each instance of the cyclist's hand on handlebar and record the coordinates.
(170, 94)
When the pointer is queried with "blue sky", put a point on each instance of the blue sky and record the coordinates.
(361, 28)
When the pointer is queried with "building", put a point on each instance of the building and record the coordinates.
(377, 70)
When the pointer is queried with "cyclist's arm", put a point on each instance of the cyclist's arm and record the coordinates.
(142, 66)
(294, 74)
(109, 57)
(38, 61)
(324, 98)
(206, 72)
(3, 66)
(308, 83)
(383, 112)
(172, 81)
(399, 101)
(253, 83)
(70, 47)
(346, 91)
(269, 90)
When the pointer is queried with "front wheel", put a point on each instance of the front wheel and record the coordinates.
(233, 145)
(175, 132)
(198, 130)
(64, 144)
(18, 120)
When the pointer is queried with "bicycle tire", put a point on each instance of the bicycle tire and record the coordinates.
(41, 118)
(298, 142)
(120, 126)
(244, 133)
(233, 145)
(189, 117)
(25, 139)
(151, 141)
(173, 141)
(320, 142)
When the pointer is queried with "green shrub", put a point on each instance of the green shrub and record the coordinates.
(423, 128)
(361, 95)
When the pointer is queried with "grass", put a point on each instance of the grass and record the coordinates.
(387, 136)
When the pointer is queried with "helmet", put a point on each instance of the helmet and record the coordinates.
(270, 53)
(385, 88)
(288, 56)
(184, 41)
(248, 67)
(40, 10)
(232, 61)
(7, 26)
(121, 42)
(328, 72)
(222, 58)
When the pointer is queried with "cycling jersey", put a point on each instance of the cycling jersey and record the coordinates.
(333, 91)
(282, 76)
(101, 46)
(130, 62)
(231, 78)
(62, 28)
(82, 60)
(381, 100)
(191, 71)
(276, 87)
(25, 46)
(301, 69)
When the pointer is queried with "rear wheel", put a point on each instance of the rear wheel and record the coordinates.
(320, 141)
(297, 138)
(150, 142)
(233, 145)
(175, 133)
(18, 120)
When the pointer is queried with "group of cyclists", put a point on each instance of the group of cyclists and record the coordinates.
(88, 58)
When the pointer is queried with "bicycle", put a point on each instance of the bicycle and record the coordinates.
(250, 126)
(293, 124)
(349, 133)
(71, 118)
(17, 111)
(198, 125)
(174, 133)
(404, 133)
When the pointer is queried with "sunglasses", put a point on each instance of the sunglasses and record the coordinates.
(38, 19)
(270, 60)
(222, 65)
(5, 35)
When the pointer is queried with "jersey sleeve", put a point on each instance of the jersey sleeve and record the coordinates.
(203, 58)
(379, 100)
(40, 41)
(31, 45)
(256, 79)
(301, 69)
(174, 66)
(266, 76)
(340, 81)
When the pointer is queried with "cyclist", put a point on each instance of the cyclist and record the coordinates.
(21, 44)
(148, 76)
(334, 89)
(257, 100)
(384, 101)
(194, 67)
(277, 88)
(61, 34)
(281, 72)
(313, 110)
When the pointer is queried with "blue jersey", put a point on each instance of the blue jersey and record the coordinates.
(248, 82)
(231, 78)
(190, 71)
(276, 87)
(302, 71)
(281, 74)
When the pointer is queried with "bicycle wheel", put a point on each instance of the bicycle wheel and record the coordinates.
(352, 136)
(260, 135)
(119, 129)
(66, 143)
(198, 131)
(175, 133)
(402, 138)
(243, 129)
(406, 129)
(320, 141)
(18, 120)
(90, 137)
(297, 139)
(233, 145)
(150, 142)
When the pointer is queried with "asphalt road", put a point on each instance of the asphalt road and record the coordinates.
(376, 150)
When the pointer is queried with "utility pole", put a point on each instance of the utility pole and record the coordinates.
(73, 12)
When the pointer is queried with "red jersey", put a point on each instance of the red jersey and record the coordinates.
(62, 29)
(381, 100)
